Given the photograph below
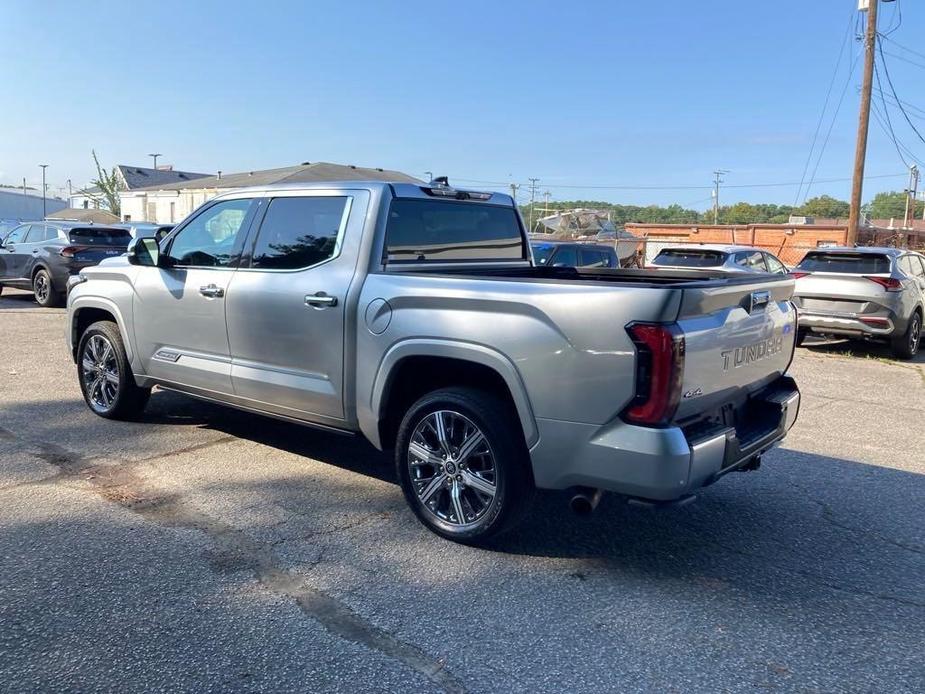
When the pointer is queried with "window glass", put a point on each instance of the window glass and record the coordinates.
(905, 264)
(18, 234)
(211, 238)
(753, 260)
(566, 257)
(774, 265)
(36, 233)
(51, 233)
(845, 263)
(444, 230)
(684, 257)
(592, 258)
(541, 252)
(918, 265)
(298, 232)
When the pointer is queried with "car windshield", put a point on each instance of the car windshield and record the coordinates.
(845, 263)
(690, 257)
(541, 252)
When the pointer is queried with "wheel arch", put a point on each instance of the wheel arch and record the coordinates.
(414, 367)
(85, 312)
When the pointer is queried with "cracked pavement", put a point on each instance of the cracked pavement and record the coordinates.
(204, 549)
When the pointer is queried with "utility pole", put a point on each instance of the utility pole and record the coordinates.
(911, 192)
(24, 186)
(860, 151)
(155, 156)
(44, 166)
(716, 181)
(69, 192)
(533, 182)
(514, 187)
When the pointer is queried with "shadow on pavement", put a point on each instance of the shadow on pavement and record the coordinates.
(859, 348)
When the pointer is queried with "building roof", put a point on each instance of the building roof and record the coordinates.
(302, 173)
(143, 177)
(78, 214)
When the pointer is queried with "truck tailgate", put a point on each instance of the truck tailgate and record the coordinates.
(738, 338)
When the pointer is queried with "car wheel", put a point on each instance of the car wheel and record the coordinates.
(906, 346)
(106, 379)
(463, 469)
(45, 293)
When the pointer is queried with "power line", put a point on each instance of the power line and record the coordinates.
(904, 59)
(825, 105)
(902, 47)
(886, 71)
(886, 115)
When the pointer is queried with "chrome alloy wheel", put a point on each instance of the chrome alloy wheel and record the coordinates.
(100, 372)
(915, 334)
(452, 468)
(41, 287)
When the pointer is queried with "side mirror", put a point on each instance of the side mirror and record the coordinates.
(144, 251)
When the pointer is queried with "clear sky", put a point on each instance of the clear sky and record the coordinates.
(580, 93)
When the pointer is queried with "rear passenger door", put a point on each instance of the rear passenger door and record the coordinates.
(287, 307)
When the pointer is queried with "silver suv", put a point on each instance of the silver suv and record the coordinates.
(719, 257)
(867, 293)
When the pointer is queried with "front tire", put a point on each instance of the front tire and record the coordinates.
(45, 293)
(105, 376)
(906, 346)
(463, 465)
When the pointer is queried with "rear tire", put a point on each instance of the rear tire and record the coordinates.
(906, 346)
(105, 376)
(44, 291)
(477, 468)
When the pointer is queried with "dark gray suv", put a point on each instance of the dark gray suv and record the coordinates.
(41, 256)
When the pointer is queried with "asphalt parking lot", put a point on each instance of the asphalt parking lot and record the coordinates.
(208, 550)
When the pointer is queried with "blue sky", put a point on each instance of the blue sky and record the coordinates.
(582, 94)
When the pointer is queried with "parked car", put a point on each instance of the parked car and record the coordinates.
(720, 257)
(867, 293)
(568, 254)
(414, 315)
(41, 256)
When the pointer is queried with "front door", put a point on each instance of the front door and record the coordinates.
(286, 309)
(180, 309)
(12, 254)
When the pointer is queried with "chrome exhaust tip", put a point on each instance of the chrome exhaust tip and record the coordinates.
(585, 500)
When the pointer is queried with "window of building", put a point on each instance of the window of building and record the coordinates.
(299, 232)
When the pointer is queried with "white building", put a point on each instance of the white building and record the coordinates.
(130, 178)
(168, 204)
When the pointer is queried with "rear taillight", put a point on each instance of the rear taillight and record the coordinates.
(891, 284)
(659, 372)
(797, 274)
(875, 321)
(71, 251)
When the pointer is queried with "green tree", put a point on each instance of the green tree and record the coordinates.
(824, 206)
(887, 205)
(109, 184)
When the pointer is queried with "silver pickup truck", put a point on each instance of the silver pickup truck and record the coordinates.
(415, 316)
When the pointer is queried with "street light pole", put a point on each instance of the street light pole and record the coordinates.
(155, 156)
(44, 166)
(430, 176)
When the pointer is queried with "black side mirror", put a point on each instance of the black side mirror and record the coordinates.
(144, 251)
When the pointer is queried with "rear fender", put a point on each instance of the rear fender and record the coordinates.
(479, 354)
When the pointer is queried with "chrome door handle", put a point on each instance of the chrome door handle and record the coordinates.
(212, 291)
(320, 300)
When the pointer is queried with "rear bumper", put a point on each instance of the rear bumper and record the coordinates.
(657, 464)
(880, 324)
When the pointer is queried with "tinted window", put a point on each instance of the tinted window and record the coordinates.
(845, 263)
(918, 265)
(592, 258)
(298, 232)
(567, 256)
(99, 236)
(51, 233)
(36, 233)
(774, 265)
(211, 239)
(18, 234)
(683, 257)
(541, 252)
(452, 231)
(752, 260)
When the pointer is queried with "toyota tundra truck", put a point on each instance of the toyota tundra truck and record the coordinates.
(415, 316)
